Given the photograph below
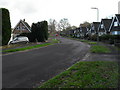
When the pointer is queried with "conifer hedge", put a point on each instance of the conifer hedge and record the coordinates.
(6, 26)
(39, 32)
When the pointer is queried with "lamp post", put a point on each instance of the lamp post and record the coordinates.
(97, 21)
(97, 13)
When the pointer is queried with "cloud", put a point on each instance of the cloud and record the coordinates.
(25, 7)
(3, 3)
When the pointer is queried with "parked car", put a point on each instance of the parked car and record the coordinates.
(20, 40)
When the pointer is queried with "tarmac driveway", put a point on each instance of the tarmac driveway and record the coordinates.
(29, 69)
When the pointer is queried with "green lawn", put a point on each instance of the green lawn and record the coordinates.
(84, 41)
(94, 74)
(92, 43)
(99, 49)
(26, 48)
(31, 47)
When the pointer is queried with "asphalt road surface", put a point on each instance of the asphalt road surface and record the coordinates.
(30, 68)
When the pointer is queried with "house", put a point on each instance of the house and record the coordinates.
(71, 33)
(104, 26)
(77, 32)
(115, 25)
(83, 32)
(94, 28)
(21, 27)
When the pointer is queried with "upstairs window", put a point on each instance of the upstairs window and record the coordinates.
(92, 27)
(102, 26)
(18, 27)
(115, 24)
(23, 28)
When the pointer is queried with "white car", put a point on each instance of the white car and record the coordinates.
(20, 39)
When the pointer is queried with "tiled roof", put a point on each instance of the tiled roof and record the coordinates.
(118, 17)
(84, 29)
(26, 24)
(106, 23)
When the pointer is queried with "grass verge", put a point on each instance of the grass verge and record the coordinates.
(94, 74)
(99, 49)
(26, 48)
(31, 47)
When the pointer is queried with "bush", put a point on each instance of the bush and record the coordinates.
(94, 37)
(6, 26)
(39, 32)
(109, 38)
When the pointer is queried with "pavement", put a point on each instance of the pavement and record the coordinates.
(28, 69)
(114, 55)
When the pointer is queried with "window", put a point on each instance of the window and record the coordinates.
(18, 28)
(102, 26)
(115, 24)
(92, 27)
(23, 28)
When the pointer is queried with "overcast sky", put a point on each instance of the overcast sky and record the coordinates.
(77, 11)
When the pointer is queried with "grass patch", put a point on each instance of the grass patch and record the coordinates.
(55, 41)
(31, 47)
(92, 43)
(26, 48)
(9, 46)
(89, 42)
(95, 74)
(99, 49)
(84, 41)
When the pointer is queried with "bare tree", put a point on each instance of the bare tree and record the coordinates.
(63, 24)
(52, 25)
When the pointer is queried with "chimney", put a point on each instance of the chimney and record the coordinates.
(24, 20)
(119, 7)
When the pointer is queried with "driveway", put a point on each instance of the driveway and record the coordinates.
(29, 69)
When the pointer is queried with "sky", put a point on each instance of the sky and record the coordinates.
(76, 11)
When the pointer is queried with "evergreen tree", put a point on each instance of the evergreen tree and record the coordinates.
(6, 26)
(39, 32)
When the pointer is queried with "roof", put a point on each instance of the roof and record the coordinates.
(95, 25)
(25, 24)
(106, 23)
(84, 29)
(116, 18)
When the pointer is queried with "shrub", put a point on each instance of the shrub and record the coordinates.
(94, 37)
(39, 32)
(109, 38)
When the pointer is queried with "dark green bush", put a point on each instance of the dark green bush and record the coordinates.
(94, 37)
(109, 38)
(6, 26)
(39, 32)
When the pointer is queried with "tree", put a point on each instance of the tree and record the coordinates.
(6, 26)
(85, 24)
(39, 32)
(63, 24)
(52, 25)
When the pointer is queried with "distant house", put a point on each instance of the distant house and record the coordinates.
(104, 26)
(21, 27)
(83, 32)
(94, 28)
(77, 32)
(115, 25)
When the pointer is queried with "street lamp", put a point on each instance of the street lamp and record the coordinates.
(97, 21)
(97, 13)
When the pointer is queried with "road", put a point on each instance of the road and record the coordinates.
(30, 68)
